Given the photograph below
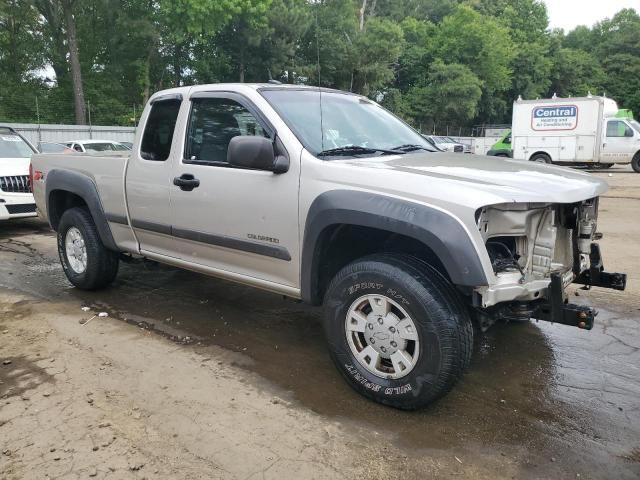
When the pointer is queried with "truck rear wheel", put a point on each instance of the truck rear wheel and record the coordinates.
(541, 158)
(397, 330)
(635, 163)
(86, 262)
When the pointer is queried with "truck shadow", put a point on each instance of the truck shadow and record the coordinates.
(502, 399)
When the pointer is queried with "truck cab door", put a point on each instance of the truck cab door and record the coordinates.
(148, 178)
(236, 222)
(620, 142)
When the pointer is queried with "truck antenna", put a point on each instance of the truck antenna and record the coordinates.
(319, 84)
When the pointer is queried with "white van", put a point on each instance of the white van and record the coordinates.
(583, 131)
(16, 199)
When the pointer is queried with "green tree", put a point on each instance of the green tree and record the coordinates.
(450, 95)
(576, 73)
(483, 44)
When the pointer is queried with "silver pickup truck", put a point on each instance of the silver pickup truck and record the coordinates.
(324, 196)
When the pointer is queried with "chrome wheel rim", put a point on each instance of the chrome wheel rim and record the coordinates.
(76, 250)
(382, 336)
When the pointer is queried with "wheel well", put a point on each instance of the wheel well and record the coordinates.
(339, 245)
(540, 153)
(59, 202)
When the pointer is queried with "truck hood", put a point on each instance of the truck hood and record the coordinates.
(475, 180)
(14, 166)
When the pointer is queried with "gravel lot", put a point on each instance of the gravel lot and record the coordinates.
(191, 377)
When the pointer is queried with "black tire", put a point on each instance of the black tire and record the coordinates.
(635, 163)
(101, 265)
(442, 321)
(541, 158)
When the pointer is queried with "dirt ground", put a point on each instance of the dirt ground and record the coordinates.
(191, 377)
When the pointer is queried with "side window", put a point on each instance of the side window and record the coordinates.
(158, 132)
(616, 128)
(77, 147)
(507, 140)
(212, 125)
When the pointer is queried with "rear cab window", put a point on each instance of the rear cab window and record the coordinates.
(159, 129)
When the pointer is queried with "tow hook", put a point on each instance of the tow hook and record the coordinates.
(597, 277)
(559, 310)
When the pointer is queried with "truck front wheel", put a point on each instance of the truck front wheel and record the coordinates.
(635, 163)
(86, 262)
(397, 330)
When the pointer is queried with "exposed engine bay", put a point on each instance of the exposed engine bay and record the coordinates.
(536, 251)
(537, 239)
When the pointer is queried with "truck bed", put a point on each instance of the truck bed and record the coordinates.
(105, 171)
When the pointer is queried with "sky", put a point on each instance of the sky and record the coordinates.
(568, 14)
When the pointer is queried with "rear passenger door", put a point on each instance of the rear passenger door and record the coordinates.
(148, 177)
(240, 221)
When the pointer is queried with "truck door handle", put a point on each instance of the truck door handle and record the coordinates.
(186, 182)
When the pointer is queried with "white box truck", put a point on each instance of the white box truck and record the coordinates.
(585, 131)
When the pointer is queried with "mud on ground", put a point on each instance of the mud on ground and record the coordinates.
(193, 377)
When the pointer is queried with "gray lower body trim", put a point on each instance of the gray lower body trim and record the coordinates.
(151, 227)
(232, 243)
(119, 219)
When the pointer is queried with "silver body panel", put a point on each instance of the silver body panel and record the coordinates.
(244, 204)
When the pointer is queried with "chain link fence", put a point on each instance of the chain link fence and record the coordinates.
(52, 108)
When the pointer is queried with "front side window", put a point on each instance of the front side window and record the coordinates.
(617, 128)
(158, 132)
(13, 146)
(212, 125)
(345, 121)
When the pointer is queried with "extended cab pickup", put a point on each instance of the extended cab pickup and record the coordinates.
(325, 196)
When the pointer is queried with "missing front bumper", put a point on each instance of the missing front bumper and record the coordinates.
(557, 308)
(597, 277)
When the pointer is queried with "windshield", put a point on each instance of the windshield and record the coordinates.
(635, 124)
(347, 120)
(13, 146)
(120, 147)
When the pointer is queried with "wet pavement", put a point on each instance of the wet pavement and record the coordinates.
(540, 387)
(564, 403)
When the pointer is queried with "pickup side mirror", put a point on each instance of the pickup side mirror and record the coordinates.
(256, 153)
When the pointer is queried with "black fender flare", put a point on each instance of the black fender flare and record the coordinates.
(84, 187)
(439, 231)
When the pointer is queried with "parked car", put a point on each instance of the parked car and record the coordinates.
(16, 200)
(585, 131)
(50, 147)
(466, 147)
(84, 146)
(446, 144)
(432, 142)
(404, 248)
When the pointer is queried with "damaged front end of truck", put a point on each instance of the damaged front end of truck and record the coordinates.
(537, 250)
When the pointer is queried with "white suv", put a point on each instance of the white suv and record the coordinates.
(16, 199)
